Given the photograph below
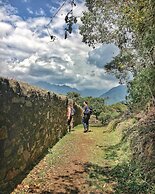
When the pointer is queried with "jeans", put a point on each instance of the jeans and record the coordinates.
(85, 122)
(69, 123)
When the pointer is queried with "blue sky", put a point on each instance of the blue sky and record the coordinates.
(27, 54)
(33, 8)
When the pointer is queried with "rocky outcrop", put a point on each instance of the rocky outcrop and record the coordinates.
(31, 120)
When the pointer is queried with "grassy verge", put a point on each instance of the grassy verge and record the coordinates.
(111, 168)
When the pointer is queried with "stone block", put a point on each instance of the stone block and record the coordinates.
(3, 133)
(20, 150)
(48, 115)
(7, 152)
(28, 104)
(26, 155)
(16, 100)
(22, 167)
(37, 135)
(2, 173)
(12, 174)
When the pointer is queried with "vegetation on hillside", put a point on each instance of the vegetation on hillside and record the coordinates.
(102, 112)
(131, 26)
(141, 89)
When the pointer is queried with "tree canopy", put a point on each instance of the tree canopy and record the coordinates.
(129, 24)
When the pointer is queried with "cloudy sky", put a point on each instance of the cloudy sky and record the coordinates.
(27, 54)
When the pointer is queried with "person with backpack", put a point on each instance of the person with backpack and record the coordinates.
(86, 116)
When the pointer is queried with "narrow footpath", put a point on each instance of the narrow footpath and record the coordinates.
(78, 163)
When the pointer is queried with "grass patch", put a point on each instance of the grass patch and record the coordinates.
(124, 178)
(111, 168)
(109, 149)
(67, 146)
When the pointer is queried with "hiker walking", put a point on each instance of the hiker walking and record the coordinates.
(70, 114)
(86, 116)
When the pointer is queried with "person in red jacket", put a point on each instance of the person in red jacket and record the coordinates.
(70, 114)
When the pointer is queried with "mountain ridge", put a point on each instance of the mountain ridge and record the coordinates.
(115, 94)
(60, 89)
(64, 89)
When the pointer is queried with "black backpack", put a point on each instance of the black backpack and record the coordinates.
(73, 111)
(90, 110)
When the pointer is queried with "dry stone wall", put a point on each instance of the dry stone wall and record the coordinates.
(31, 121)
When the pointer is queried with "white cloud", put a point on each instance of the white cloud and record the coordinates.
(5, 7)
(51, 8)
(29, 10)
(40, 12)
(103, 55)
(26, 52)
(5, 29)
(25, 1)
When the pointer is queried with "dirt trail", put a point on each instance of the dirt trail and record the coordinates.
(65, 168)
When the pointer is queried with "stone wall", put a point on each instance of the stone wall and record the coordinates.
(77, 117)
(31, 120)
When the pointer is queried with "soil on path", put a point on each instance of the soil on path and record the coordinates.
(65, 169)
